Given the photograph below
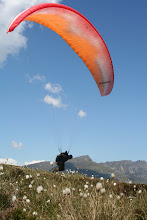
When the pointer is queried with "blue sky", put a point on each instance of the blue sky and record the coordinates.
(114, 127)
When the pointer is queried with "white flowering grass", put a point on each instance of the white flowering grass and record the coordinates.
(98, 186)
(1, 167)
(112, 175)
(51, 163)
(39, 189)
(85, 195)
(121, 194)
(27, 177)
(71, 197)
(139, 191)
(30, 186)
(81, 194)
(110, 196)
(25, 197)
(66, 191)
(102, 190)
(28, 200)
(35, 213)
(13, 198)
(85, 186)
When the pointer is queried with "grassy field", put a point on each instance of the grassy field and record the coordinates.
(32, 194)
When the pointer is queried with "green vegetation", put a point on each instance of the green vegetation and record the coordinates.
(32, 194)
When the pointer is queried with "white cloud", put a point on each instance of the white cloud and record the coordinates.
(56, 102)
(16, 145)
(53, 88)
(12, 43)
(34, 161)
(9, 161)
(35, 77)
(82, 114)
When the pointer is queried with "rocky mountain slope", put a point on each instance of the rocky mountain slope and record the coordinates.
(124, 170)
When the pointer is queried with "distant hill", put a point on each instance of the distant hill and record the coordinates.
(124, 170)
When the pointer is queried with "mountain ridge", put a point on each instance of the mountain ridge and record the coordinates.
(124, 170)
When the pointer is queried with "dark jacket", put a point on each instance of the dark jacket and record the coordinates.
(61, 159)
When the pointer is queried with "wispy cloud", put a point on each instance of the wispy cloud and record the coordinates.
(12, 43)
(82, 114)
(53, 88)
(16, 145)
(35, 78)
(9, 161)
(56, 102)
(34, 161)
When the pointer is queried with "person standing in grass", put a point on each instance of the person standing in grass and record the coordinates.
(61, 159)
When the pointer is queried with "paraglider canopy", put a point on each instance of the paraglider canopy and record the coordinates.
(79, 33)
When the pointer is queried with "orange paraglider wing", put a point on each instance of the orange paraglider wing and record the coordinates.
(79, 33)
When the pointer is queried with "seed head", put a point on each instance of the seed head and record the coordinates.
(81, 194)
(13, 198)
(98, 186)
(27, 177)
(103, 190)
(30, 186)
(112, 175)
(85, 187)
(85, 195)
(51, 163)
(35, 213)
(1, 168)
(139, 191)
(110, 196)
(67, 190)
(39, 189)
